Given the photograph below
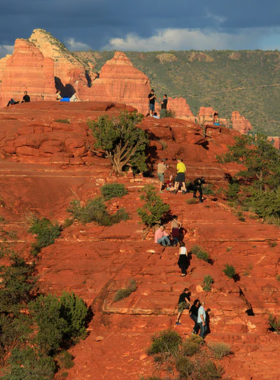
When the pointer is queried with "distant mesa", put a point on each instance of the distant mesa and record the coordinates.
(200, 57)
(166, 58)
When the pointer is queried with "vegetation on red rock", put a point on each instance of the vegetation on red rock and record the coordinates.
(45, 232)
(123, 142)
(200, 253)
(125, 292)
(113, 190)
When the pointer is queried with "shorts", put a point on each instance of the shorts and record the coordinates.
(160, 176)
(183, 306)
(152, 107)
(180, 177)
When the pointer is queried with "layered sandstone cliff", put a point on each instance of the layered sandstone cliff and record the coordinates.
(68, 70)
(119, 81)
(27, 70)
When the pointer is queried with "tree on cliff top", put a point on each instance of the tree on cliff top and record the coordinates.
(121, 140)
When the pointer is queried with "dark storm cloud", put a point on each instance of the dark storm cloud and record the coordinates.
(95, 22)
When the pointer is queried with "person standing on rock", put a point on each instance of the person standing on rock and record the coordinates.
(194, 314)
(198, 182)
(26, 98)
(162, 167)
(152, 98)
(163, 104)
(183, 259)
(183, 304)
(201, 320)
(175, 230)
(180, 178)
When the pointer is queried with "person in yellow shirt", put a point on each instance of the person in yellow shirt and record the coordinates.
(180, 178)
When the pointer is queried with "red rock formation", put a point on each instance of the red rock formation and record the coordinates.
(275, 141)
(181, 108)
(206, 113)
(3, 62)
(67, 68)
(119, 81)
(27, 70)
(239, 123)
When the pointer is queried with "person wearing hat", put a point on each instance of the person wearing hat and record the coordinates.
(160, 172)
(152, 99)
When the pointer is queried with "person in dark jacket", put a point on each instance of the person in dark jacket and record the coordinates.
(193, 315)
(183, 303)
(183, 259)
(198, 182)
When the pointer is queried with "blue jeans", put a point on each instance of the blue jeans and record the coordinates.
(196, 325)
(175, 241)
(203, 330)
(164, 241)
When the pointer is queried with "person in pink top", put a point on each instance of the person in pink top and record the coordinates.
(162, 237)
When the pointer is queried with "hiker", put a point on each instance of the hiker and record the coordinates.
(216, 120)
(180, 178)
(183, 259)
(198, 182)
(11, 102)
(160, 172)
(183, 303)
(175, 230)
(155, 115)
(162, 237)
(201, 320)
(194, 314)
(152, 99)
(169, 184)
(163, 104)
(26, 98)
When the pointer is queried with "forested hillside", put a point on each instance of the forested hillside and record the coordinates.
(244, 81)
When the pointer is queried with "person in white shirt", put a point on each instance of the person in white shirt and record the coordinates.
(201, 320)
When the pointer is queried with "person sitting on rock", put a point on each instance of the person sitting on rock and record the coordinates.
(11, 102)
(198, 183)
(183, 303)
(75, 98)
(183, 259)
(26, 98)
(216, 119)
(162, 237)
(169, 184)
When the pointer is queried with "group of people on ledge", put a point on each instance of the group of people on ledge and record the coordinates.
(163, 103)
(25, 99)
(180, 180)
(196, 312)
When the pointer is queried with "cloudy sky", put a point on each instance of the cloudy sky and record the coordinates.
(146, 24)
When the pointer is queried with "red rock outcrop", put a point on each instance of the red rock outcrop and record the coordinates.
(119, 81)
(3, 62)
(181, 108)
(27, 70)
(68, 70)
(275, 141)
(239, 123)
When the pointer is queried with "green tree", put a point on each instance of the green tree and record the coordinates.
(154, 208)
(121, 139)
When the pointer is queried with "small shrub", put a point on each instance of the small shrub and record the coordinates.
(274, 323)
(166, 341)
(229, 271)
(278, 277)
(209, 371)
(68, 222)
(113, 190)
(65, 360)
(207, 282)
(208, 190)
(272, 244)
(185, 366)
(64, 374)
(65, 121)
(200, 253)
(190, 347)
(46, 233)
(192, 201)
(95, 211)
(154, 208)
(125, 292)
(229, 249)
(220, 350)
